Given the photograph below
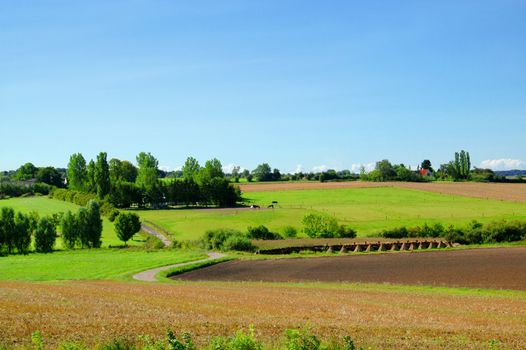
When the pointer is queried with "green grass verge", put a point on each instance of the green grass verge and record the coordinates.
(47, 206)
(164, 276)
(368, 210)
(89, 264)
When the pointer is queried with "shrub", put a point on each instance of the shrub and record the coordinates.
(325, 226)
(346, 232)
(70, 230)
(227, 239)
(301, 340)
(262, 232)
(240, 341)
(239, 243)
(22, 238)
(290, 232)
(174, 343)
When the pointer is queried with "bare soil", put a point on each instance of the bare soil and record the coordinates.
(496, 268)
(499, 191)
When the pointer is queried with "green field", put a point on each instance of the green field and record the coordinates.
(368, 210)
(47, 206)
(86, 264)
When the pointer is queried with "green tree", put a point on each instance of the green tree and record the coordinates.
(50, 176)
(77, 174)
(212, 169)
(45, 235)
(94, 224)
(91, 184)
(122, 171)
(426, 164)
(70, 230)
(7, 229)
(126, 225)
(190, 168)
(148, 168)
(26, 172)
(263, 172)
(22, 238)
(459, 168)
(102, 175)
(385, 170)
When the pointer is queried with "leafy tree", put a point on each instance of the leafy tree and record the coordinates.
(263, 172)
(91, 184)
(70, 230)
(385, 170)
(50, 176)
(147, 173)
(45, 235)
(7, 228)
(126, 225)
(102, 175)
(22, 237)
(426, 164)
(77, 173)
(319, 225)
(404, 174)
(122, 171)
(235, 173)
(124, 194)
(459, 169)
(212, 169)
(94, 224)
(26, 172)
(190, 168)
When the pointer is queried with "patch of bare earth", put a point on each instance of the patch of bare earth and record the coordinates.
(98, 311)
(499, 191)
(499, 268)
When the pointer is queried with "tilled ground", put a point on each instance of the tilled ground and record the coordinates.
(511, 192)
(379, 317)
(498, 268)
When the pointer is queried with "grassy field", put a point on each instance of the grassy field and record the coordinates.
(47, 206)
(368, 210)
(85, 264)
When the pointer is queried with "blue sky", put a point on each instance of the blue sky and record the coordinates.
(297, 84)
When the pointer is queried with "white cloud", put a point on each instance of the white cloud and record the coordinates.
(165, 168)
(355, 168)
(502, 164)
(229, 167)
(320, 168)
(299, 169)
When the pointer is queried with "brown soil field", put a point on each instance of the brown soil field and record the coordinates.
(509, 192)
(379, 317)
(498, 268)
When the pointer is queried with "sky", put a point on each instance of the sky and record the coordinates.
(300, 84)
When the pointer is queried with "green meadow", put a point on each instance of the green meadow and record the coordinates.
(89, 264)
(47, 206)
(367, 210)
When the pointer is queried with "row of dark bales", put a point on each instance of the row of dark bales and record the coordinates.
(361, 247)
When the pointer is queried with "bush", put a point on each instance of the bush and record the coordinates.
(290, 232)
(346, 232)
(227, 239)
(240, 341)
(325, 226)
(239, 243)
(262, 232)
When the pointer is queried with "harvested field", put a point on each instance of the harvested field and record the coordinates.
(499, 268)
(377, 316)
(509, 192)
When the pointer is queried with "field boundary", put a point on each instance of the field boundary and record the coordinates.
(150, 275)
(170, 274)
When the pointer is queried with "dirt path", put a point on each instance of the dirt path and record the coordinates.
(157, 234)
(149, 275)
(498, 268)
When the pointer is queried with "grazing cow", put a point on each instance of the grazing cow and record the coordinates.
(274, 202)
(254, 206)
(271, 206)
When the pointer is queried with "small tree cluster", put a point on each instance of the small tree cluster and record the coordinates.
(84, 228)
(15, 231)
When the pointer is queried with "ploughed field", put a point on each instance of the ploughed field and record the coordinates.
(498, 268)
(500, 191)
(382, 317)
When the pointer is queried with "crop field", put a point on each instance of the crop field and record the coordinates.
(47, 206)
(379, 316)
(367, 210)
(500, 191)
(88, 264)
(498, 268)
